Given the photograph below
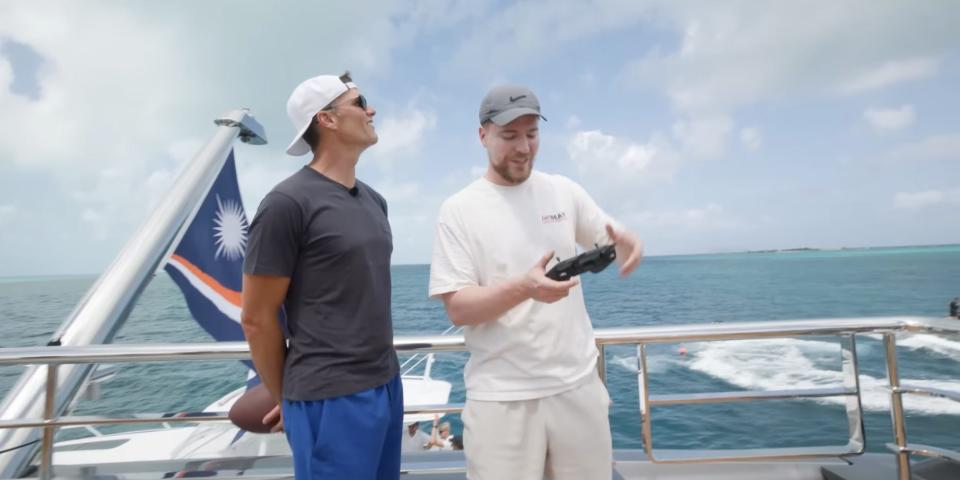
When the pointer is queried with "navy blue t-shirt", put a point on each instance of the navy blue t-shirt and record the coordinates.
(335, 245)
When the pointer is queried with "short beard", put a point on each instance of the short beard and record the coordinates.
(504, 171)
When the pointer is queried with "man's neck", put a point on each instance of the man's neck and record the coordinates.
(339, 166)
(493, 177)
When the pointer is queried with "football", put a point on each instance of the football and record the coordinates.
(248, 411)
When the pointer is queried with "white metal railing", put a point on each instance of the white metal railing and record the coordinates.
(846, 328)
(850, 391)
(415, 360)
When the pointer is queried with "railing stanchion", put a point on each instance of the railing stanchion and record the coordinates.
(49, 401)
(642, 379)
(851, 382)
(896, 407)
(602, 362)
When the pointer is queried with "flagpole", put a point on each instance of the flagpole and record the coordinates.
(107, 304)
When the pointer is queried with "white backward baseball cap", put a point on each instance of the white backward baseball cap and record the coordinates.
(307, 99)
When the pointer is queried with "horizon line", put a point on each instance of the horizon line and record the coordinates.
(733, 252)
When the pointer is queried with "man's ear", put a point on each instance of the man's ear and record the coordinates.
(327, 119)
(483, 135)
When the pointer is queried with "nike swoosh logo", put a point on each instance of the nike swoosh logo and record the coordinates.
(514, 99)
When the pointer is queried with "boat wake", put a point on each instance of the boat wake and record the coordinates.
(933, 343)
(655, 363)
(780, 364)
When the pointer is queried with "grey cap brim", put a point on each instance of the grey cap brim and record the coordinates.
(512, 114)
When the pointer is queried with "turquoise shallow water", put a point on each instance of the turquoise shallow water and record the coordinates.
(665, 290)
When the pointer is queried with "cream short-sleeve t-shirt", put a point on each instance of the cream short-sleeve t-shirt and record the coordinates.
(487, 233)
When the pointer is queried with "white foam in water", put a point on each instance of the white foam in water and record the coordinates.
(933, 343)
(655, 363)
(628, 363)
(921, 341)
(781, 364)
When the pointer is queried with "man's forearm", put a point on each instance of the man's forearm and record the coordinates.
(476, 305)
(268, 350)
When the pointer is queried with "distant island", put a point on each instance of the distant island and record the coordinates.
(842, 249)
(781, 250)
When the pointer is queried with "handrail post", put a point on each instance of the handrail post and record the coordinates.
(896, 407)
(602, 362)
(46, 449)
(851, 381)
(643, 379)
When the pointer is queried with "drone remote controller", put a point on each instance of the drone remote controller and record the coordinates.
(590, 261)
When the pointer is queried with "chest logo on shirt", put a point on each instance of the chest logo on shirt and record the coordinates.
(553, 217)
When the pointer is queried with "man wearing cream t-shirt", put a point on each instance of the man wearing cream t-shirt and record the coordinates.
(533, 395)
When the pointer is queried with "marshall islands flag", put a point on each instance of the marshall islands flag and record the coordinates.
(207, 265)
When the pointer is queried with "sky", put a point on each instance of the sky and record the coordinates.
(702, 126)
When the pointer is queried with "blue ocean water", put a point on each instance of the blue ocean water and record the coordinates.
(663, 291)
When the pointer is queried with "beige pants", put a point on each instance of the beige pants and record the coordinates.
(565, 436)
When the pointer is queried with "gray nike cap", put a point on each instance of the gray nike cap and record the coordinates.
(504, 103)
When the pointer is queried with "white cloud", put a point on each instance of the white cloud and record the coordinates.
(615, 165)
(610, 160)
(890, 73)
(399, 192)
(402, 134)
(83, 80)
(735, 54)
(890, 118)
(120, 197)
(523, 32)
(413, 209)
(120, 109)
(704, 136)
(112, 94)
(926, 198)
(942, 146)
(710, 217)
(751, 138)
(445, 13)
(7, 215)
(183, 151)
(259, 170)
(6, 80)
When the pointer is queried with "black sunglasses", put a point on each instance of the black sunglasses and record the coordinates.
(360, 101)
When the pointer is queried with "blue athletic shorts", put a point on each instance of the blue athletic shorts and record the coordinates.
(353, 437)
